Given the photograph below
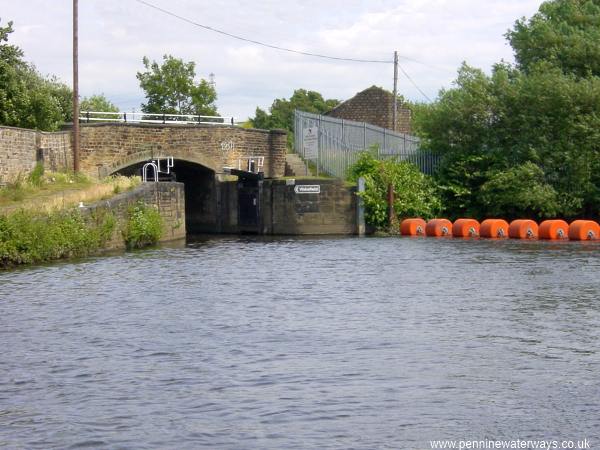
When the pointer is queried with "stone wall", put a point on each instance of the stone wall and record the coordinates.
(375, 106)
(16, 154)
(167, 197)
(56, 150)
(332, 211)
(283, 212)
(21, 149)
(106, 148)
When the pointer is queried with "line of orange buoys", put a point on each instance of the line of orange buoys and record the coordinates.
(579, 230)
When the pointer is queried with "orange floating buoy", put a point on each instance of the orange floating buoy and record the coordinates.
(465, 228)
(438, 228)
(523, 229)
(494, 228)
(584, 230)
(554, 229)
(413, 227)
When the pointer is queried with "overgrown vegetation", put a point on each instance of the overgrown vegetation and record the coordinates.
(144, 226)
(29, 99)
(29, 237)
(415, 194)
(281, 112)
(524, 141)
(38, 222)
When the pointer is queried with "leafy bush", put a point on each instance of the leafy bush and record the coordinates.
(144, 226)
(27, 237)
(520, 191)
(543, 111)
(415, 192)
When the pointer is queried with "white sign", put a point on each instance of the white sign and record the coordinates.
(310, 143)
(290, 182)
(307, 189)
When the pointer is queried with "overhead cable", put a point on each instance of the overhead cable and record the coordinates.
(414, 84)
(275, 47)
(289, 50)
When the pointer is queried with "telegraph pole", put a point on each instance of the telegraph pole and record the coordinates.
(75, 86)
(395, 113)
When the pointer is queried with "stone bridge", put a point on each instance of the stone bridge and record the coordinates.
(107, 149)
(112, 148)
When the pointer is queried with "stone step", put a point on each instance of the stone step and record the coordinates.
(295, 166)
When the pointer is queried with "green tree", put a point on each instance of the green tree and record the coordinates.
(520, 191)
(10, 88)
(28, 99)
(525, 139)
(43, 103)
(489, 125)
(419, 112)
(565, 33)
(281, 112)
(171, 88)
(97, 102)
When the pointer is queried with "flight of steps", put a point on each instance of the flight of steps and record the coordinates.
(294, 166)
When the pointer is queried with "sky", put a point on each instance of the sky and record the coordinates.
(432, 38)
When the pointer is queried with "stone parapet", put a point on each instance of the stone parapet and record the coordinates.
(107, 148)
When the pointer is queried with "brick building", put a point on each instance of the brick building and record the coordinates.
(375, 106)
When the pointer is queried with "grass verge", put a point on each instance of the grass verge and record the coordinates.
(51, 191)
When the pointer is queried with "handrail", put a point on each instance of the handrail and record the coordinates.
(163, 118)
(145, 171)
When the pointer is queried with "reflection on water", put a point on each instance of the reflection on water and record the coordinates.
(303, 343)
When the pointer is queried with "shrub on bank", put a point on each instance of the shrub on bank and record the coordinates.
(144, 226)
(27, 237)
(415, 192)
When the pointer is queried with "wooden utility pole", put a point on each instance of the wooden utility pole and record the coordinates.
(395, 113)
(390, 201)
(75, 86)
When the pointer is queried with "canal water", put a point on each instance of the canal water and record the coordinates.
(253, 343)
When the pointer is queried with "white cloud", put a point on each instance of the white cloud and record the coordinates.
(116, 34)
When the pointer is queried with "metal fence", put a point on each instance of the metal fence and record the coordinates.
(141, 117)
(341, 141)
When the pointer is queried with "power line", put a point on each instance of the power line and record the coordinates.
(275, 47)
(414, 84)
(289, 50)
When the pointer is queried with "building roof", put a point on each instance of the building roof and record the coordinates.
(374, 105)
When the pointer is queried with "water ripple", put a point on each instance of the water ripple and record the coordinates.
(302, 343)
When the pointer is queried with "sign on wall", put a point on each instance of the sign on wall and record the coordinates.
(310, 142)
(307, 189)
(227, 146)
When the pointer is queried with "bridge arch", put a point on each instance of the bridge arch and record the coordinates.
(202, 190)
(142, 157)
